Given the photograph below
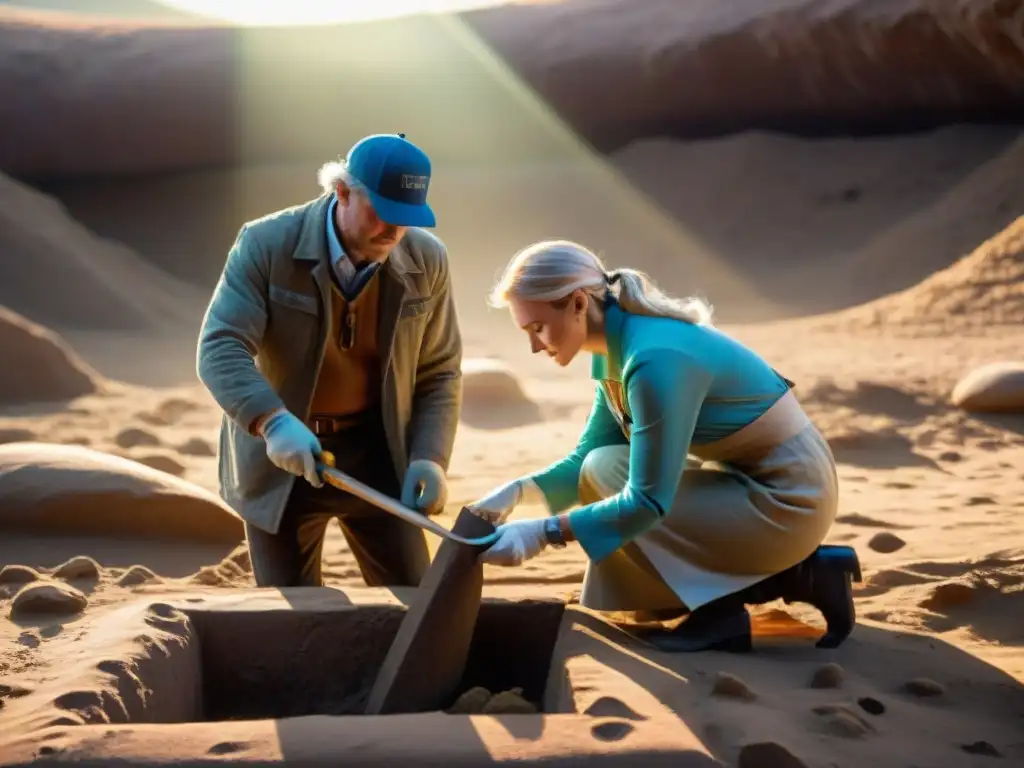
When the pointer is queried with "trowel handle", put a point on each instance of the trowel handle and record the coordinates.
(338, 479)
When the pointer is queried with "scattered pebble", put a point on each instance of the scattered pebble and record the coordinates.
(843, 721)
(48, 597)
(950, 456)
(16, 435)
(137, 574)
(162, 463)
(949, 595)
(981, 748)
(133, 437)
(480, 701)
(196, 447)
(471, 702)
(886, 543)
(828, 676)
(732, 687)
(871, 706)
(768, 754)
(509, 702)
(923, 687)
(80, 567)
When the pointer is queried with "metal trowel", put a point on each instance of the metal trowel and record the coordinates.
(425, 663)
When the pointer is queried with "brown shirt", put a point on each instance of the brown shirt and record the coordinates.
(350, 377)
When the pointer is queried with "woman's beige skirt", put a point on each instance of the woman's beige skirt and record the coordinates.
(760, 502)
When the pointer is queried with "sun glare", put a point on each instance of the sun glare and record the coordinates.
(305, 12)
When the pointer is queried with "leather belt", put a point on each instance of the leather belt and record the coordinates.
(325, 424)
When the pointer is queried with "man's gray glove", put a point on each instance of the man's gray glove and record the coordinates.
(292, 446)
(425, 487)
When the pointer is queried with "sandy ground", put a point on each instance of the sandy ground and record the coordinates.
(911, 247)
(931, 499)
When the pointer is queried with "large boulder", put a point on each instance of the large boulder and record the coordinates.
(992, 388)
(38, 366)
(71, 490)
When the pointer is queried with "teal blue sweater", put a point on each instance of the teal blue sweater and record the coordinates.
(683, 384)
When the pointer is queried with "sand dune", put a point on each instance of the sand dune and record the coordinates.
(982, 292)
(608, 66)
(855, 218)
(39, 365)
(57, 273)
(604, 65)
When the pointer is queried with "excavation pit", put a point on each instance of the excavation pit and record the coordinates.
(268, 677)
(325, 663)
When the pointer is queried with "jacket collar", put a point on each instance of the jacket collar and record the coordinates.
(609, 367)
(313, 244)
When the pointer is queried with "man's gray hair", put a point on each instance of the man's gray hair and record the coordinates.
(336, 172)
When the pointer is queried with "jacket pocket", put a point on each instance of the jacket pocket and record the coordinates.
(299, 301)
(417, 306)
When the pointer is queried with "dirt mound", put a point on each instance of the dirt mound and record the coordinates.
(807, 65)
(981, 292)
(58, 273)
(39, 366)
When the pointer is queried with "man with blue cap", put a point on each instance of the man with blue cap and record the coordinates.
(333, 328)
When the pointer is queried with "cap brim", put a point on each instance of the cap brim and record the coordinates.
(402, 214)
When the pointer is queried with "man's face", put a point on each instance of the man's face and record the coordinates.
(366, 237)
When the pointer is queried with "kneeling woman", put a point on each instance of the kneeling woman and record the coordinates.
(666, 533)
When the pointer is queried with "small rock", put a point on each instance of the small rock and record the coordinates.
(828, 676)
(137, 574)
(18, 574)
(871, 706)
(732, 687)
(509, 703)
(162, 463)
(80, 567)
(923, 687)
(886, 543)
(48, 597)
(981, 748)
(768, 754)
(843, 722)
(950, 456)
(952, 594)
(8, 691)
(196, 447)
(17, 435)
(133, 437)
(472, 702)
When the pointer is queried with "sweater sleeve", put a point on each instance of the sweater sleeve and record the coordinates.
(665, 392)
(560, 481)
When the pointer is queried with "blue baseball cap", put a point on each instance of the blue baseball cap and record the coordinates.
(396, 173)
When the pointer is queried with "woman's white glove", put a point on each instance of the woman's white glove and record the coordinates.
(517, 542)
(497, 505)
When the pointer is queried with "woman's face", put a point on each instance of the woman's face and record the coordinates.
(559, 329)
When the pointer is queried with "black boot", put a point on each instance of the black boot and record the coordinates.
(722, 625)
(825, 580)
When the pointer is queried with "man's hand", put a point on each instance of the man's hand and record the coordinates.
(517, 542)
(425, 488)
(292, 446)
